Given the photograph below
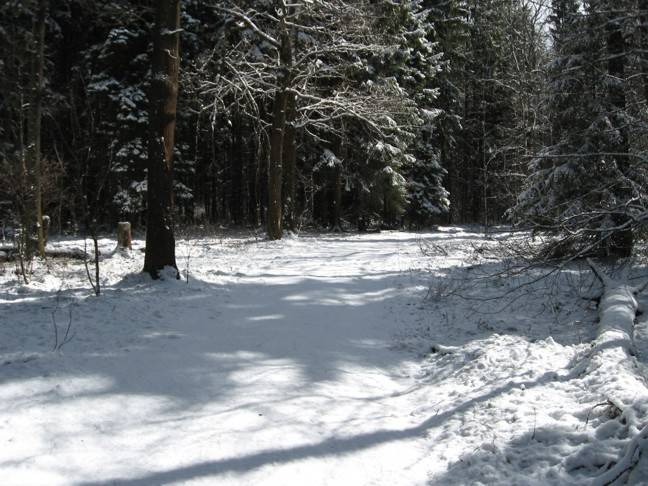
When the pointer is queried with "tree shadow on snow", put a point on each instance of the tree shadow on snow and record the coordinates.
(334, 446)
(267, 321)
(189, 344)
(198, 332)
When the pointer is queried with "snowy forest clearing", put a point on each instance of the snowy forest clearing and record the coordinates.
(320, 360)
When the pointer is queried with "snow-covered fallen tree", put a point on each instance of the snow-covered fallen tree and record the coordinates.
(614, 372)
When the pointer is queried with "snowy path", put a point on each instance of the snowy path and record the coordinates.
(274, 363)
(305, 361)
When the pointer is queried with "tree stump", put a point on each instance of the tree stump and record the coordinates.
(46, 227)
(124, 238)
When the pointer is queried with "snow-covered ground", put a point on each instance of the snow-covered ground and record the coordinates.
(319, 360)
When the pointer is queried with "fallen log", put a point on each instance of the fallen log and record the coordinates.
(617, 311)
(74, 253)
(612, 362)
(10, 253)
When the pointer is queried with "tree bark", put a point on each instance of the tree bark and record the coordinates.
(290, 162)
(275, 166)
(124, 238)
(160, 241)
(254, 183)
(275, 169)
(46, 223)
(34, 207)
(236, 170)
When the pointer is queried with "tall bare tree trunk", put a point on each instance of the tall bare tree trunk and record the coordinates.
(290, 163)
(275, 165)
(235, 199)
(275, 169)
(254, 181)
(160, 242)
(34, 207)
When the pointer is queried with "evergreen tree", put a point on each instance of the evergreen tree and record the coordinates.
(587, 186)
(416, 65)
(449, 19)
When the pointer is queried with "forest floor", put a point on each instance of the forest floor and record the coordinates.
(318, 360)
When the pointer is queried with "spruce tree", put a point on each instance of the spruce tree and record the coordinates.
(587, 185)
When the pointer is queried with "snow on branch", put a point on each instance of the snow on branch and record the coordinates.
(245, 18)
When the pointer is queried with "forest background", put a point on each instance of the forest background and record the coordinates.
(333, 114)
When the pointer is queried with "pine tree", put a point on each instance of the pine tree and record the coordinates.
(488, 100)
(416, 69)
(586, 186)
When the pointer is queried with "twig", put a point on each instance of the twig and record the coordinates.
(87, 267)
(56, 308)
(66, 337)
(602, 404)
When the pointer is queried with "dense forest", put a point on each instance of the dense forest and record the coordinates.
(362, 242)
(327, 113)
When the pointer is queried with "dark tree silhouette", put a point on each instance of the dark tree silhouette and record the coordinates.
(160, 242)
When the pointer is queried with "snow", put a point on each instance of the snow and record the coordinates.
(612, 367)
(346, 359)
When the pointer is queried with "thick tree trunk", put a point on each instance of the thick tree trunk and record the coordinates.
(160, 242)
(275, 166)
(275, 169)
